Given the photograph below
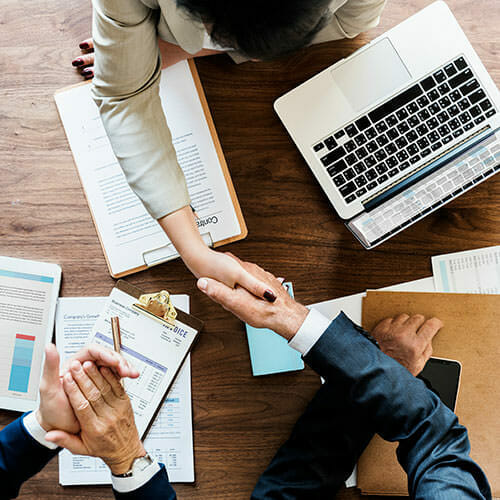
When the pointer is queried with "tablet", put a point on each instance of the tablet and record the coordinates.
(28, 298)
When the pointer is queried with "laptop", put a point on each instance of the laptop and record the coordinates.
(401, 127)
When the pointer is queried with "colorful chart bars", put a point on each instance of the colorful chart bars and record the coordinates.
(21, 363)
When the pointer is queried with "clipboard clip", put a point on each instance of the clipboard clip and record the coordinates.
(157, 305)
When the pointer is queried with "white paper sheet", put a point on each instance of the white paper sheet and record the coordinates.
(472, 271)
(28, 296)
(352, 307)
(131, 237)
(170, 439)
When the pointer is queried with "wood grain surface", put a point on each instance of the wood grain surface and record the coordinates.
(239, 420)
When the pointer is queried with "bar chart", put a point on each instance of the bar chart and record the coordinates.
(21, 363)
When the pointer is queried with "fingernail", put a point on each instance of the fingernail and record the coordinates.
(84, 45)
(269, 296)
(77, 62)
(68, 378)
(88, 74)
(202, 284)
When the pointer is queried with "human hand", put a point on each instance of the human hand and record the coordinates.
(85, 61)
(170, 55)
(182, 229)
(284, 316)
(55, 411)
(106, 419)
(232, 272)
(407, 339)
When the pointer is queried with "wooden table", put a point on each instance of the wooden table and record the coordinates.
(239, 420)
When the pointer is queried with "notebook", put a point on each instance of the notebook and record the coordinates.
(269, 352)
(131, 239)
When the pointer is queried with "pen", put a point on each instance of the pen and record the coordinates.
(115, 327)
(117, 337)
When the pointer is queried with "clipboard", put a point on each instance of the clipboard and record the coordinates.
(182, 319)
(155, 256)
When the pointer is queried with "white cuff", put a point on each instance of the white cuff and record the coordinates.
(36, 431)
(128, 484)
(309, 333)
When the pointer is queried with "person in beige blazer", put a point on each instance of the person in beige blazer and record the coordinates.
(133, 39)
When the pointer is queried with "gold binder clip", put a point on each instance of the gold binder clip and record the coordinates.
(158, 305)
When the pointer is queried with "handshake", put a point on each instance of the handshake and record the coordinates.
(85, 409)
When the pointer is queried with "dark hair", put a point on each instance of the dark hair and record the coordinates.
(260, 29)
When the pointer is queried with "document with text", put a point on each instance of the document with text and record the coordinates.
(170, 439)
(132, 240)
(28, 297)
(472, 271)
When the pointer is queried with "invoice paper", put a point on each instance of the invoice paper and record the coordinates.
(28, 297)
(170, 439)
(130, 236)
(472, 271)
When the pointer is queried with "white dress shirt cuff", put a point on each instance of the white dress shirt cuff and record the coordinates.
(311, 330)
(36, 431)
(128, 484)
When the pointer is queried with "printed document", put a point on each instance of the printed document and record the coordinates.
(472, 271)
(170, 439)
(28, 297)
(130, 236)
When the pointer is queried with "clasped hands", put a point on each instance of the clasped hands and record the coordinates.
(85, 409)
(407, 339)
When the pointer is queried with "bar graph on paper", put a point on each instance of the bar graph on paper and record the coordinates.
(473, 271)
(21, 363)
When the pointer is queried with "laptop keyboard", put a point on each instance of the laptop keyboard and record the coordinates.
(435, 190)
(413, 125)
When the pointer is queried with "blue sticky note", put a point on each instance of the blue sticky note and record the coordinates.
(269, 352)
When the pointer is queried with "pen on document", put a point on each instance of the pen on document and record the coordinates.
(117, 337)
(115, 328)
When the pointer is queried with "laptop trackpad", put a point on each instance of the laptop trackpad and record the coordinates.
(371, 75)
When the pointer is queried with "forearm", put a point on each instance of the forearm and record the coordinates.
(21, 457)
(434, 448)
(323, 448)
(155, 488)
(181, 228)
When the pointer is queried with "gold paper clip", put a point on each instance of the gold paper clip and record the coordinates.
(158, 305)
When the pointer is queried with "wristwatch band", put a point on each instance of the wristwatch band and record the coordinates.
(138, 465)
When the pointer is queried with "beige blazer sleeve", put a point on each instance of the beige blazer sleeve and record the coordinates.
(351, 18)
(126, 90)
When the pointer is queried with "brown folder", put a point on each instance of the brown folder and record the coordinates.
(471, 335)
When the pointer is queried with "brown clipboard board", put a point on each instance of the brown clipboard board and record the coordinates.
(182, 317)
(222, 160)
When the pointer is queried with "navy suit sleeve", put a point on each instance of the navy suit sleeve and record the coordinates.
(21, 457)
(157, 488)
(433, 447)
(320, 454)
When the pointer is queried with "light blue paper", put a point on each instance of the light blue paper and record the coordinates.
(269, 352)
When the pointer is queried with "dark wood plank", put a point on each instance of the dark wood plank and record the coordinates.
(239, 420)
